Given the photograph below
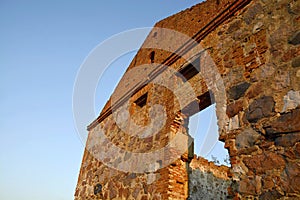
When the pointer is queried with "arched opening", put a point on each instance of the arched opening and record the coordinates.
(204, 129)
(203, 125)
(208, 171)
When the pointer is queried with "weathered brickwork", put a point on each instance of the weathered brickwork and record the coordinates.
(249, 54)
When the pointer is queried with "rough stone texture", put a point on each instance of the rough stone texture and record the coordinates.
(208, 181)
(296, 62)
(286, 123)
(234, 108)
(287, 140)
(249, 62)
(238, 91)
(291, 100)
(250, 186)
(260, 108)
(247, 138)
(295, 39)
(264, 162)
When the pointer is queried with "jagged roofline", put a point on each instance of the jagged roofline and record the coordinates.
(230, 9)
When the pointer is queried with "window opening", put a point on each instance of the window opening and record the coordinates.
(204, 129)
(142, 100)
(152, 55)
(191, 69)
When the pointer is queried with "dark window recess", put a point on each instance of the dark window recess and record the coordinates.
(142, 100)
(179, 182)
(152, 55)
(191, 69)
(97, 189)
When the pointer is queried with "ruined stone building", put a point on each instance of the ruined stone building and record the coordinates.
(243, 55)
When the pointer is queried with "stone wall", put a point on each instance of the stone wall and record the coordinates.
(208, 181)
(255, 52)
(118, 155)
(248, 55)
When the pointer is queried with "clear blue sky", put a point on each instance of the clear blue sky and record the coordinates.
(42, 45)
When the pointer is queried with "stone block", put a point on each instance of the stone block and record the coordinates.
(234, 108)
(250, 186)
(295, 38)
(252, 12)
(259, 108)
(297, 150)
(234, 26)
(286, 123)
(254, 90)
(259, 164)
(246, 139)
(238, 91)
(291, 178)
(291, 100)
(296, 62)
(270, 195)
(288, 140)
